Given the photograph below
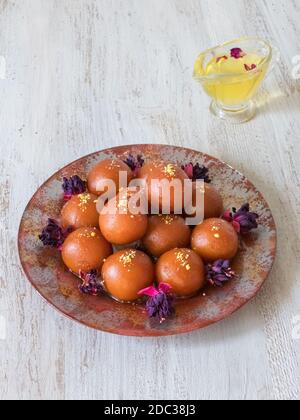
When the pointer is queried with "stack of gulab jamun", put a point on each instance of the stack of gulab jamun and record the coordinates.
(80, 211)
(154, 174)
(122, 223)
(127, 272)
(133, 247)
(215, 239)
(166, 232)
(107, 169)
(85, 249)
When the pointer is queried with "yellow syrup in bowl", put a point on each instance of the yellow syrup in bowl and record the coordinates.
(231, 75)
(234, 81)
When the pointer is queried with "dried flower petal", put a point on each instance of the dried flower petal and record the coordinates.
(160, 302)
(227, 216)
(189, 170)
(149, 291)
(219, 273)
(165, 288)
(53, 235)
(195, 172)
(237, 53)
(249, 68)
(135, 163)
(243, 220)
(91, 285)
(223, 57)
(73, 186)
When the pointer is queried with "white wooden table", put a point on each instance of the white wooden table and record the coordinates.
(82, 75)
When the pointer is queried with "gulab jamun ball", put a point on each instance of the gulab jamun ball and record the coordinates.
(127, 272)
(212, 200)
(153, 173)
(183, 270)
(80, 211)
(85, 249)
(119, 228)
(166, 232)
(104, 170)
(215, 239)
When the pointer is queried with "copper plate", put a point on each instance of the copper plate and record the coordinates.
(48, 275)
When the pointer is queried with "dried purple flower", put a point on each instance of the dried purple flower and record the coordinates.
(160, 302)
(53, 235)
(219, 273)
(135, 162)
(243, 220)
(223, 57)
(249, 68)
(90, 283)
(237, 53)
(73, 186)
(195, 172)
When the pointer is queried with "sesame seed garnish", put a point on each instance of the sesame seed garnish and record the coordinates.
(83, 201)
(87, 234)
(84, 198)
(167, 219)
(113, 165)
(182, 259)
(170, 170)
(127, 258)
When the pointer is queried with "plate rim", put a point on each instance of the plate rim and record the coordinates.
(150, 334)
